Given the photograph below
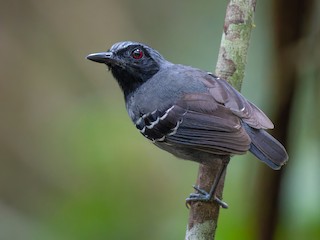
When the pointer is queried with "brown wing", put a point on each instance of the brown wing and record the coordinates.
(197, 121)
(224, 93)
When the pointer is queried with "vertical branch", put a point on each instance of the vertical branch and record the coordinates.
(235, 40)
(203, 217)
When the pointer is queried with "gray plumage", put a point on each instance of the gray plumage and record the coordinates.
(186, 111)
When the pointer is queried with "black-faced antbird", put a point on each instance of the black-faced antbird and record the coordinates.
(188, 112)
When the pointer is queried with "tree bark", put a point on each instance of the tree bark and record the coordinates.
(203, 216)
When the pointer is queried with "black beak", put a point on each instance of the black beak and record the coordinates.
(103, 57)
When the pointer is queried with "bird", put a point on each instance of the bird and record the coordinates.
(188, 112)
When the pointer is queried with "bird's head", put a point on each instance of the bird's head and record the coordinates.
(131, 63)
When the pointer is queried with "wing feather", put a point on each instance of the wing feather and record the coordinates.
(224, 93)
(197, 121)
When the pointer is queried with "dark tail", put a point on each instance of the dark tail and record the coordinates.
(265, 147)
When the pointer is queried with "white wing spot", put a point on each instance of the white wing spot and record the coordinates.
(175, 129)
(145, 115)
(153, 123)
(160, 139)
(166, 113)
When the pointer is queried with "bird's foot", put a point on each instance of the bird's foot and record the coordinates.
(203, 196)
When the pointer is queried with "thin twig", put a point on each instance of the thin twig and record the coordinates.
(203, 217)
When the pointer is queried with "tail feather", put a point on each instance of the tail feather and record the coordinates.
(266, 148)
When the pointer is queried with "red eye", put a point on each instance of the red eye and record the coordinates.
(137, 53)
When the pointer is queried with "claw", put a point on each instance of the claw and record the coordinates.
(203, 196)
(221, 203)
(199, 190)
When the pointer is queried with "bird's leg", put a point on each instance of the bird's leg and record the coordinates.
(204, 196)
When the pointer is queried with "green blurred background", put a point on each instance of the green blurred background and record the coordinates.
(73, 165)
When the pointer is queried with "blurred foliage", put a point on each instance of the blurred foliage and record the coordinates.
(72, 164)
